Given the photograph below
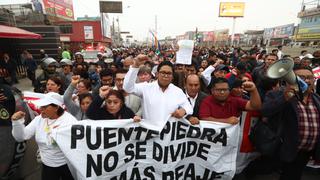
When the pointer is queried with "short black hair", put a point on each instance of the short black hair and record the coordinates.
(271, 54)
(215, 81)
(121, 71)
(165, 63)
(106, 72)
(303, 51)
(297, 67)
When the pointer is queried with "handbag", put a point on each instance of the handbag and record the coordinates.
(266, 139)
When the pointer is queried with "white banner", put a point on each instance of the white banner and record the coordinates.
(122, 149)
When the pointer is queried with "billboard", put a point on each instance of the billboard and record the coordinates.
(221, 35)
(284, 31)
(309, 28)
(208, 36)
(110, 6)
(268, 33)
(59, 8)
(88, 32)
(231, 9)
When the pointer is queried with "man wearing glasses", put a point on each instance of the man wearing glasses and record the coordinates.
(300, 116)
(221, 107)
(160, 99)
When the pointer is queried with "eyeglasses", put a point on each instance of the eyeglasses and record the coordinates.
(163, 73)
(222, 91)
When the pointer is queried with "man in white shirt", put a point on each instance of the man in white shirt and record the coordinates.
(280, 53)
(160, 99)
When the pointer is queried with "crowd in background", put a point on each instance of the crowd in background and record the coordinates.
(218, 85)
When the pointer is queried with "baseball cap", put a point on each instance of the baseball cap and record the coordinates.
(221, 67)
(308, 56)
(50, 98)
(66, 62)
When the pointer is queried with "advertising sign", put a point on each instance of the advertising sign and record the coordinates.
(231, 9)
(208, 36)
(284, 31)
(221, 35)
(268, 33)
(110, 6)
(88, 32)
(59, 8)
(309, 28)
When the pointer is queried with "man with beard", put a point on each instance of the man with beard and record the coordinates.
(221, 107)
(300, 114)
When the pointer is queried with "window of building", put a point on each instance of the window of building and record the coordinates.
(66, 29)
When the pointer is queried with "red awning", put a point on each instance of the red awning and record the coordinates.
(17, 33)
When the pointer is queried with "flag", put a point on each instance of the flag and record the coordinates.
(155, 42)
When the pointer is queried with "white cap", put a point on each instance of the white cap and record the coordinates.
(66, 61)
(50, 98)
(309, 56)
(99, 53)
(78, 53)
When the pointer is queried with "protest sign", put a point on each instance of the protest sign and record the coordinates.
(184, 54)
(121, 149)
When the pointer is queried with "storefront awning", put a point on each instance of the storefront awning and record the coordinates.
(17, 33)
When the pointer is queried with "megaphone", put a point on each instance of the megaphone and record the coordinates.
(283, 69)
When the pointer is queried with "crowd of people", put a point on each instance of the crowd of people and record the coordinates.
(218, 85)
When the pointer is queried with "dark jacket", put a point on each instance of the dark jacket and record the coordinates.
(201, 96)
(96, 112)
(277, 110)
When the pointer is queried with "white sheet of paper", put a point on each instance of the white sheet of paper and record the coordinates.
(184, 54)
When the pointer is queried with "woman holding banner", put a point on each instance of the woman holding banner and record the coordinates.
(52, 116)
(114, 107)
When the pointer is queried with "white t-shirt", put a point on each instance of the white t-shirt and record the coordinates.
(41, 128)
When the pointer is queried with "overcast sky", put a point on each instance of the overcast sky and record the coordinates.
(175, 17)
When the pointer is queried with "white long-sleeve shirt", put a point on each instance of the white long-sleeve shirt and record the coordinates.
(206, 74)
(157, 106)
(50, 153)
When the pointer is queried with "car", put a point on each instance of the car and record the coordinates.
(90, 56)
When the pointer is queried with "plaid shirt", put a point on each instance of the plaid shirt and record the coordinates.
(308, 124)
